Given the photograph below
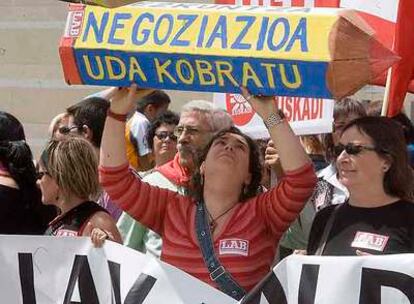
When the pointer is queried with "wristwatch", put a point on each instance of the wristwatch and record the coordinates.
(273, 120)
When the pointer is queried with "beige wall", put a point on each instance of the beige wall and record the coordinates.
(31, 80)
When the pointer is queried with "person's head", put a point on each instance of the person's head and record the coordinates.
(407, 126)
(199, 121)
(16, 157)
(345, 110)
(87, 118)
(230, 153)
(374, 108)
(153, 104)
(374, 151)
(161, 138)
(68, 168)
(58, 125)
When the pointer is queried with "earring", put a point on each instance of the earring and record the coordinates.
(245, 189)
(201, 179)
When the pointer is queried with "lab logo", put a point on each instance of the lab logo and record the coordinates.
(234, 247)
(74, 25)
(240, 110)
(66, 232)
(370, 241)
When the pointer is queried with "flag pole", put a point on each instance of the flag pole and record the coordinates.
(385, 101)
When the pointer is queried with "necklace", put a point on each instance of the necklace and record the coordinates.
(213, 221)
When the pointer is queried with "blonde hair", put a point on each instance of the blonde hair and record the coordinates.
(73, 164)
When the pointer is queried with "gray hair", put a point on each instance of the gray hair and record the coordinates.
(218, 119)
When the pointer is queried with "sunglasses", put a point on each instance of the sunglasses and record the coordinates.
(352, 149)
(163, 135)
(40, 174)
(66, 130)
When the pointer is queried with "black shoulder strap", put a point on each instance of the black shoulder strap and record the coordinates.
(327, 230)
(75, 218)
(218, 273)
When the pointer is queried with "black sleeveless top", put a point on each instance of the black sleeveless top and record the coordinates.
(73, 222)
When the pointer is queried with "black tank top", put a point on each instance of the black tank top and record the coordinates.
(72, 222)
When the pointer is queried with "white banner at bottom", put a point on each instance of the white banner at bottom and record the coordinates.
(382, 279)
(46, 270)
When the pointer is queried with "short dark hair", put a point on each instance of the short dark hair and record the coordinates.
(157, 98)
(255, 167)
(388, 138)
(165, 118)
(92, 113)
(342, 108)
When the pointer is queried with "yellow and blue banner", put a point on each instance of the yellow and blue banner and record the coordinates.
(204, 47)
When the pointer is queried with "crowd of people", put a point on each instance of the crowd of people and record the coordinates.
(194, 191)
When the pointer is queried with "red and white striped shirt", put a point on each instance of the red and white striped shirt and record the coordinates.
(245, 245)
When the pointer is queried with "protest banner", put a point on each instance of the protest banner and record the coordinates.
(383, 279)
(208, 47)
(105, 3)
(305, 115)
(296, 109)
(50, 270)
(46, 270)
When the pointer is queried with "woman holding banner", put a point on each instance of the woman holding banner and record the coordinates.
(226, 234)
(68, 179)
(377, 218)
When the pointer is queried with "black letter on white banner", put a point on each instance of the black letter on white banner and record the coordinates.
(26, 278)
(373, 279)
(81, 272)
(115, 270)
(140, 290)
(308, 283)
(270, 287)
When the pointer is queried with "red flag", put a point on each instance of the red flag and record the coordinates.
(402, 72)
(393, 22)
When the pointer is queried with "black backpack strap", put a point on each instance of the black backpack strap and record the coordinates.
(218, 273)
(327, 230)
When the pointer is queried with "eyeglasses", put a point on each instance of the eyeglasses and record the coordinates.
(338, 126)
(163, 135)
(66, 130)
(40, 174)
(190, 130)
(352, 149)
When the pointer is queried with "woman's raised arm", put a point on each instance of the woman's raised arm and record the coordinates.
(113, 151)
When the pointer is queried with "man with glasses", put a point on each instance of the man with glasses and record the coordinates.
(199, 121)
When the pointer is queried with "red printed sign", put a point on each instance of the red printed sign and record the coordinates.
(239, 109)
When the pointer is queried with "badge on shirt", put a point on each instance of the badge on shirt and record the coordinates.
(234, 246)
(66, 232)
(370, 241)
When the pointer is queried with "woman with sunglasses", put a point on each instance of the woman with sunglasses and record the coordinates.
(372, 162)
(21, 209)
(225, 215)
(68, 178)
(161, 138)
